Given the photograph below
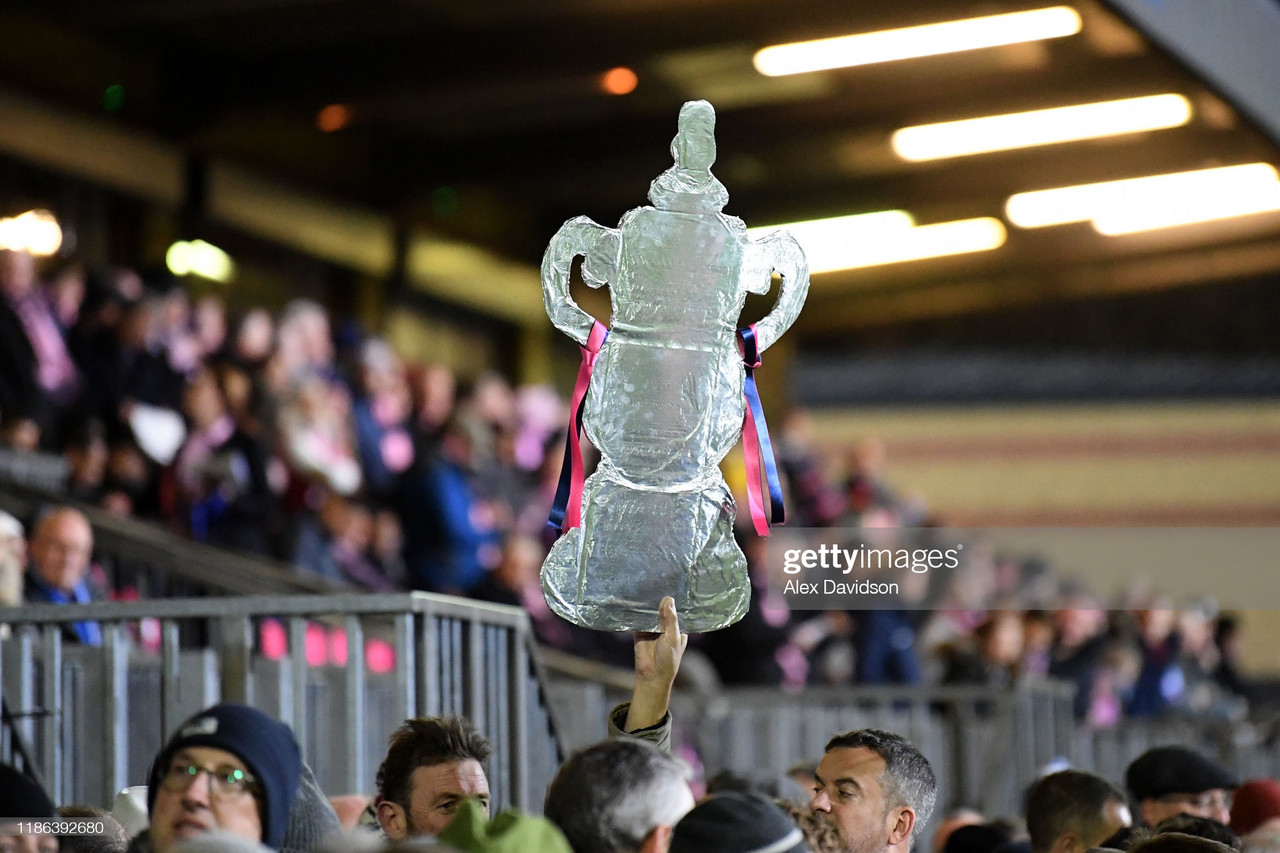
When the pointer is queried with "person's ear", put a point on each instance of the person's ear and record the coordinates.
(393, 820)
(1067, 842)
(657, 841)
(901, 821)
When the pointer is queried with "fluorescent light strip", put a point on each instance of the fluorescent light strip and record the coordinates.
(913, 42)
(1133, 218)
(1040, 127)
(887, 237)
(1081, 203)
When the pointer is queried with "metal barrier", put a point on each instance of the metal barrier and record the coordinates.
(1248, 750)
(985, 745)
(95, 717)
(44, 472)
(146, 559)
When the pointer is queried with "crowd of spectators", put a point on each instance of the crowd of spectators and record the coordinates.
(285, 436)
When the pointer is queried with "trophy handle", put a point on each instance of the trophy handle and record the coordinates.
(599, 247)
(784, 253)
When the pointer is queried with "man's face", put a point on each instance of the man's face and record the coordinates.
(1214, 804)
(848, 791)
(435, 792)
(61, 548)
(190, 805)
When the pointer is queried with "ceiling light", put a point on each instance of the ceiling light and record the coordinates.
(619, 81)
(1261, 197)
(1040, 127)
(1084, 202)
(333, 118)
(36, 231)
(912, 42)
(886, 237)
(200, 258)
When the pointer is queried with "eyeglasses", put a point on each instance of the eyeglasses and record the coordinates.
(225, 781)
(1207, 800)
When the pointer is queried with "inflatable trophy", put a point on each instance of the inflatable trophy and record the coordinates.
(664, 401)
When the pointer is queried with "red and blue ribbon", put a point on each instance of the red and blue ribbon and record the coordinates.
(566, 509)
(756, 445)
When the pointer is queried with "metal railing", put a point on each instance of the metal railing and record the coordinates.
(96, 716)
(1248, 749)
(44, 472)
(152, 562)
(986, 745)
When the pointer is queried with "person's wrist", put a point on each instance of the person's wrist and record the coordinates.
(647, 709)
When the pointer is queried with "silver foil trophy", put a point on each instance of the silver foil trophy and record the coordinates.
(665, 401)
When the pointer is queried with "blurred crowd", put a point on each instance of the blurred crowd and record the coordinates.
(283, 435)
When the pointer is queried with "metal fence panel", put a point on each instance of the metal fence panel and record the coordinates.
(95, 729)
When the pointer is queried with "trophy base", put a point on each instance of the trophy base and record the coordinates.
(635, 548)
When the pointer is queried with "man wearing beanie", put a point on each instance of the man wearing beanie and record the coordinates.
(737, 822)
(1172, 780)
(229, 768)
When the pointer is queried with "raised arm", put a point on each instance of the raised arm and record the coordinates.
(657, 663)
(657, 656)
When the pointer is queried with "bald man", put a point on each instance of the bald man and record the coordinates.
(58, 568)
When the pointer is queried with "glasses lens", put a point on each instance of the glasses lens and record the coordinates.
(224, 781)
(231, 780)
(179, 776)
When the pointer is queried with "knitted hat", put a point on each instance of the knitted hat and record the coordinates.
(22, 796)
(510, 832)
(312, 820)
(1174, 770)
(736, 822)
(266, 746)
(1257, 801)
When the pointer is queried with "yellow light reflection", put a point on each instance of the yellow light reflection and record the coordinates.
(913, 42)
(1040, 127)
(887, 237)
(1153, 201)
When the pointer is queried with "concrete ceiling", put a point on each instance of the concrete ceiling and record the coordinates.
(484, 121)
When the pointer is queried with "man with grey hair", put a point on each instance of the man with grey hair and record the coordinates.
(876, 788)
(619, 796)
(626, 794)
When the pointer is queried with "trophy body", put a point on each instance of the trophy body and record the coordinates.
(665, 403)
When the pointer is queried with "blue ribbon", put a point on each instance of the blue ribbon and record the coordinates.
(559, 506)
(751, 360)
